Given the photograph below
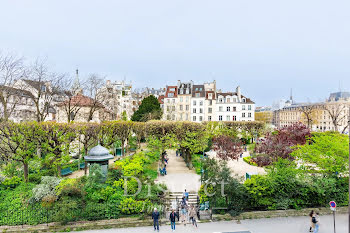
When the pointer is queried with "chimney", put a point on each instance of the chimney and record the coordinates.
(238, 92)
(108, 82)
(178, 83)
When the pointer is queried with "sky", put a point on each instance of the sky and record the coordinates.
(268, 47)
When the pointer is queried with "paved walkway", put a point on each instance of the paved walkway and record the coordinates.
(267, 225)
(179, 177)
(239, 168)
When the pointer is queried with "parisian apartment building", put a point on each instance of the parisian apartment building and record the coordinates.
(187, 101)
(336, 107)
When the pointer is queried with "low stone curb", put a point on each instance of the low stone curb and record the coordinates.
(277, 214)
(135, 222)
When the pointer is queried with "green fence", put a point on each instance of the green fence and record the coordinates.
(37, 214)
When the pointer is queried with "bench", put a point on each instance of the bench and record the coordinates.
(82, 165)
(66, 171)
(161, 172)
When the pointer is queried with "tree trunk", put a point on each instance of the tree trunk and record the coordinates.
(59, 170)
(25, 171)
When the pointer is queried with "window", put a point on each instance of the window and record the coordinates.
(200, 118)
(172, 89)
(187, 98)
(170, 94)
(249, 107)
(173, 108)
(194, 118)
(243, 107)
(228, 109)
(220, 109)
(220, 118)
(194, 110)
(210, 102)
(168, 108)
(173, 101)
(168, 101)
(209, 118)
(187, 107)
(201, 103)
(210, 95)
(181, 99)
(227, 100)
(194, 103)
(220, 100)
(249, 114)
(243, 114)
(201, 110)
(234, 109)
(234, 118)
(173, 117)
(210, 110)
(181, 107)
(168, 117)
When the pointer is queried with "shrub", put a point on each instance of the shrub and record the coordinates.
(68, 187)
(131, 206)
(248, 160)
(12, 182)
(45, 188)
(34, 178)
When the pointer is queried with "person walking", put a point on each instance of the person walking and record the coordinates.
(193, 214)
(316, 221)
(312, 225)
(186, 195)
(155, 217)
(183, 212)
(172, 218)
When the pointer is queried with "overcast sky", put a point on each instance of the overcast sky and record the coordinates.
(267, 47)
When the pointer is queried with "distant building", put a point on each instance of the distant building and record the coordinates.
(323, 115)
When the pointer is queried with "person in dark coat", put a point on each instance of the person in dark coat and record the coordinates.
(155, 217)
(172, 218)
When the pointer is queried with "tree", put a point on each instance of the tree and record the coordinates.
(280, 143)
(70, 105)
(48, 88)
(19, 143)
(139, 129)
(310, 114)
(337, 112)
(116, 130)
(88, 134)
(56, 139)
(265, 117)
(11, 69)
(92, 86)
(227, 148)
(148, 110)
(328, 151)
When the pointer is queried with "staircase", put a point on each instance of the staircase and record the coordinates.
(173, 201)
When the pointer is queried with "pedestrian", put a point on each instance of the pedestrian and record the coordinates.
(312, 225)
(316, 221)
(164, 169)
(172, 218)
(183, 212)
(177, 153)
(186, 195)
(193, 214)
(155, 217)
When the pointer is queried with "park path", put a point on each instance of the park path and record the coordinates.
(239, 168)
(179, 177)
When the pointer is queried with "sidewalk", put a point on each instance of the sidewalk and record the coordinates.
(179, 177)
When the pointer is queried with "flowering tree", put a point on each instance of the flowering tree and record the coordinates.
(227, 148)
(280, 144)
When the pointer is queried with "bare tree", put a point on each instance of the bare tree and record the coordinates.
(92, 86)
(337, 113)
(11, 69)
(310, 114)
(47, 88)
(70, 105)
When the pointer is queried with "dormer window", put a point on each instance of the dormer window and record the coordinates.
(43, 88)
